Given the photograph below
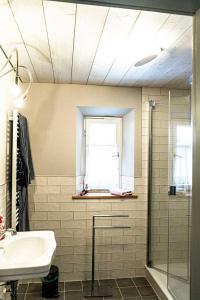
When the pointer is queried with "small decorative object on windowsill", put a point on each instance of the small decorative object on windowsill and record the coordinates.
(2, 227)
(84, 191)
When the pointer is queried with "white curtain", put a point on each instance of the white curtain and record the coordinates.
(102, 161)
(183, 157)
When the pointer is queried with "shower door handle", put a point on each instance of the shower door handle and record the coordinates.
(117, 155)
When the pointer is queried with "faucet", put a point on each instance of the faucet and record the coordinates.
(11, 230)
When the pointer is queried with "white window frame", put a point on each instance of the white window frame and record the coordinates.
(118, 121)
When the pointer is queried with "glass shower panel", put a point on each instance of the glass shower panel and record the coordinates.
(159, 195)
(180, 181)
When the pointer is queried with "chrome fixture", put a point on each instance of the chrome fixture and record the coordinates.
(17, 91)
(11, 230)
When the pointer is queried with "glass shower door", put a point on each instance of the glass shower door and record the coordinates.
(159, 184)
(180, 181)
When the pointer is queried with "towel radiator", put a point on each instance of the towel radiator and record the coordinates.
(15, 153)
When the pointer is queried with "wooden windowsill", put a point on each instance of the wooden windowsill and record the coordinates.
(103, 196)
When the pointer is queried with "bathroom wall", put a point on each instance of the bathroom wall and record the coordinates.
(52, 114)
(6, 106)
(120, 253)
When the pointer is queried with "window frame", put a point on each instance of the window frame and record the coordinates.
(119, 122)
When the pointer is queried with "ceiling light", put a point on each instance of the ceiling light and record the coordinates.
(147, 59)
(19, 102)
(16, 90)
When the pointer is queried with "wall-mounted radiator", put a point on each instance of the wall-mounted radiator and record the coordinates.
(15, 153)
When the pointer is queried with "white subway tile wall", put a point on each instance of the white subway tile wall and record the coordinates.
(119, 252)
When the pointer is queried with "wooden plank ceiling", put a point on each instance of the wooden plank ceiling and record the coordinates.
(74, 43)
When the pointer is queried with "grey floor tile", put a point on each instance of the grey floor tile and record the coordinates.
(61, 286)
(87, 283)
(150, 298)
(34, 296)
(116, 293)
(108, 282)
(60, 297)
(34, 288)
(73, 286)
(124, 282)
(140, 281)
(146, 291)
(135, 298)
(20, 296)
(74, 295)
(129, 292)
(112, 298)
(22, 288)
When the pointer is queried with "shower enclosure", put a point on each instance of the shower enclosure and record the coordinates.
(169, 190)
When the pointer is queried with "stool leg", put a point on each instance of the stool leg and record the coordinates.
(93, 254)
(96, 291)
(13, 285)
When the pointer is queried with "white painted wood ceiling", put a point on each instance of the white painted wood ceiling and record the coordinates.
(69, 43)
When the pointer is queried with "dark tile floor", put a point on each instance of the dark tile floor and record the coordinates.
(137, 288)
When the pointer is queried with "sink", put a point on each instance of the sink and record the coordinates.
(26, 255)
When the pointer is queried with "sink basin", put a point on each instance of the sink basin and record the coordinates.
(26, 255)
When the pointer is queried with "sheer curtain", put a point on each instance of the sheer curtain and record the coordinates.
(183, 157)
(102, 154)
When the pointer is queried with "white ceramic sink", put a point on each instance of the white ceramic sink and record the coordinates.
(26, 255)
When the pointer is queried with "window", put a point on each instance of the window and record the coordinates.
(183, 157)
(103, 140)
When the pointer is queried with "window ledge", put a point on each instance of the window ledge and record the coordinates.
(103, 196)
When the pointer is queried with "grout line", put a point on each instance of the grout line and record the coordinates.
(26, 291)
(132, 64)
(74, 40)
(119, 289)
(100, 38)
(136, 288)
(125, 41)
(23, 41)
(81, 283)
(49, 46)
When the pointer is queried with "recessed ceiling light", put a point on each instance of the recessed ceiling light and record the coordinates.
(148, 58)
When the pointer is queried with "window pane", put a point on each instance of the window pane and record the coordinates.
(183, 157)
(102, 162)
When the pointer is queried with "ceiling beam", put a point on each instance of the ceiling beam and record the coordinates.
(183, 7)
